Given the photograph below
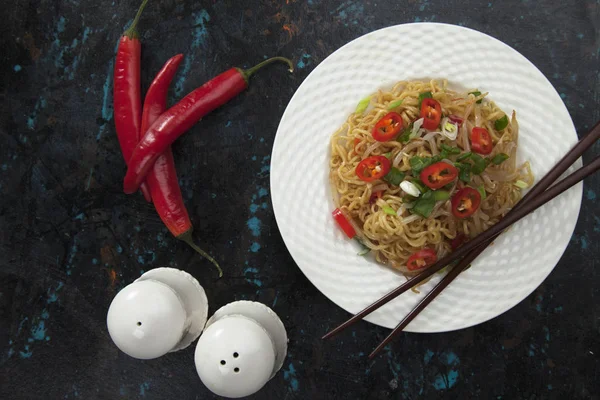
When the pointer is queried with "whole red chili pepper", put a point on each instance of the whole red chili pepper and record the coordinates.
(126, 91)
(183, 115)
(162, 178)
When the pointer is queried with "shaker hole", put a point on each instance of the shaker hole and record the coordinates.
(139, 323)
(223, 362)
(235, 355)
(236, 369)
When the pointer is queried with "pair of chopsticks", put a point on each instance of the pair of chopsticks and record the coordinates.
(535, 198)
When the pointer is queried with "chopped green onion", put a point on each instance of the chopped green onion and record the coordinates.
(362, 105)
(464, 156)
(450, 127)
(499, 158)
(481, 190)
(389, 210)
(394, 104)
(450, 149)
(394, 177)
(410, 188)
(501, 123)
(521, 184)
(464, 172)
(441, 195)
(476, 93)
(479, 164)
(388, 155)
(424, 95)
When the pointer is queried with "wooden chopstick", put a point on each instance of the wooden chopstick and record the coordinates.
(508, 220)
(454, 272)
(476, 246)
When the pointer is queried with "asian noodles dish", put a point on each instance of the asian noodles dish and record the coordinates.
(419, 169)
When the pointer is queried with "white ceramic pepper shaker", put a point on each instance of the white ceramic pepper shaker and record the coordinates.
(242, 348)
(162, 311)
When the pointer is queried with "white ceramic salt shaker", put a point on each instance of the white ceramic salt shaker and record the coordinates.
(162, 311)
(243, 346)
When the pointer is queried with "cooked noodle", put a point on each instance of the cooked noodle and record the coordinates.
(393, 238)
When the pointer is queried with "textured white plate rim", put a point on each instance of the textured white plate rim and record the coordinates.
(296, 256)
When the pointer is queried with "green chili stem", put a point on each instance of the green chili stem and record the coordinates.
(132, 32)
(187, 238)
(247, 73)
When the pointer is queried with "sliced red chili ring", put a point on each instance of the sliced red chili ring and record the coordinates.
(388, 127)
(421, 259)
(438, 175)
(431, 112)
(456, 119)
(465, 202)
(481, 141)
(343, 222)
(372, 168)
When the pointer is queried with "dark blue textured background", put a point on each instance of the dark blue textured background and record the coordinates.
(70, 238)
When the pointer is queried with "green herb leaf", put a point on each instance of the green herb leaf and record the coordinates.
(464, 156)
(394, 177)
(481, 190)
(450, 149)
(501, 123)
(441, 195)
(404, 136)
(476, 94)
(362, 105)
(418, 164)
(394, 104)
(424, 95)
(424, 205)
(499, 158)
(464, 172)
(428, 196)
(389, 210)
(479, 164)
(388, 155)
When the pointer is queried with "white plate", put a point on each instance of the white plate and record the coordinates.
(509, 270)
